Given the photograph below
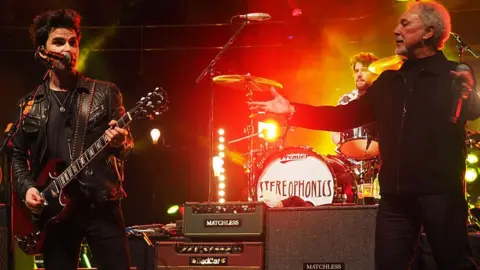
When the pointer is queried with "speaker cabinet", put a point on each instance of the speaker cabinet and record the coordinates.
(322, 237)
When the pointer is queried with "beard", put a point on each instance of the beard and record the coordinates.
(361, 84)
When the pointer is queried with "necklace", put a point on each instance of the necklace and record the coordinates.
(62, 104)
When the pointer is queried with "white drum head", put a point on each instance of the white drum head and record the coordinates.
(299, 173)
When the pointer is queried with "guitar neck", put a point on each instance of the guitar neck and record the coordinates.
(84, 159)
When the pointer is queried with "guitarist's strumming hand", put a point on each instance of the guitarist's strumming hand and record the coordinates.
(34, 200)
(115, 135)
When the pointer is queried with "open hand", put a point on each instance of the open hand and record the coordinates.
(278, 105)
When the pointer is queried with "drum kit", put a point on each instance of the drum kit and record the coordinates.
(349, 177)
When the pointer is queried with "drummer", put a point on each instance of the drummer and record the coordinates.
(363, 79)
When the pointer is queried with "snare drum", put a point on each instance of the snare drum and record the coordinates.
(301, 172)
(360, 143)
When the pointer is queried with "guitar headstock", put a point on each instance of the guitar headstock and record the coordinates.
(153, 104)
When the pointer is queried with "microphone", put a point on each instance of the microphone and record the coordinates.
(64, 57)
(457, 104)
(254, 16)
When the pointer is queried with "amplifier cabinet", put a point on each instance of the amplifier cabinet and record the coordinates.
(209, 255)
(322, 237)
(228, 220)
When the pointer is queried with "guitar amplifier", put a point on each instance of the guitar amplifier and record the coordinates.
(225, 220)
(209, 255)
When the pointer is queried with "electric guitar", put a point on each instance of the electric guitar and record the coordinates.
(29, 229)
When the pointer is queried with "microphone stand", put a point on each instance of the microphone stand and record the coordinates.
(462, 47)
(210, 70)
(472, 221)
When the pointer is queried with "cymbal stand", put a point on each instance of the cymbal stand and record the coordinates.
(251, 165)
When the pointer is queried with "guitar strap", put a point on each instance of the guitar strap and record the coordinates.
(83, 113)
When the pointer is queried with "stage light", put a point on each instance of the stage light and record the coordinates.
(219, 165)
(471, 175)
(222, 200)
(155, 134)
(296, 12)
(268, 129)
(173, 209)
(472, 158)
(85, 258)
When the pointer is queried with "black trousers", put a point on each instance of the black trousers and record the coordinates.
(104, 229)
(443, 218)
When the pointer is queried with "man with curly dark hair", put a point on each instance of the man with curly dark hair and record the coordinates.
(363, 80)
(46, 131)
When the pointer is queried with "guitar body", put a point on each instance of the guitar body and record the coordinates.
(29, 229)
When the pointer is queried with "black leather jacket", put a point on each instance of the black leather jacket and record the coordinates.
(103, 176)
(422, 151)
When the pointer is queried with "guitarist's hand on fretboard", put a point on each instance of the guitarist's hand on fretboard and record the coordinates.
(115, 135)
(34, 200)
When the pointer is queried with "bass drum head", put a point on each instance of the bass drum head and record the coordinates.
(298, 172)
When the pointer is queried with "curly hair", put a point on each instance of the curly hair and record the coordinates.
(47, 21)
(364, 58)
(433, 14)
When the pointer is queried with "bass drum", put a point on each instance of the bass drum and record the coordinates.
(301, 172)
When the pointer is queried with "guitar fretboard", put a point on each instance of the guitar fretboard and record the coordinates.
(81, 162)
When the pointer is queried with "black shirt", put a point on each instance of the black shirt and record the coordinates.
(59, 130)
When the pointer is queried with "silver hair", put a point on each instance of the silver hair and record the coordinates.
(434, 14)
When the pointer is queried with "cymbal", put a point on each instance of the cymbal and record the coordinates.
(241, 82)
(393, 62)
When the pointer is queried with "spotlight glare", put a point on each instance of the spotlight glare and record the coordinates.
(472, 158)
(471, 175)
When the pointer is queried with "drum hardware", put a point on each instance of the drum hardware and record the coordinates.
(248, 136)
(249, 84)
(359, 143)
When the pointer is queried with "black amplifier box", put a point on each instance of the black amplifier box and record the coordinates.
(224, 220)
(210, 255)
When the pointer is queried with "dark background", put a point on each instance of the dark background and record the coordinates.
(140, 44)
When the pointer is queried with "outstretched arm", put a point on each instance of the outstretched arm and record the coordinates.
(330, 118)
